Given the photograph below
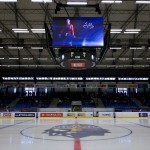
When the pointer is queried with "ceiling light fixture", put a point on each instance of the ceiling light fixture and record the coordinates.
(42, 58)
(118, 30)
(115, 47)
(8, 1)
(142, 2)
(136, 47)
(131, 32)
(13, 58)
(123, 59)
(110, 58)
(42, 1)
(76, 3)
(27, 58)
(114, 32)
(38, 30)
(11, 47)
(36, 47)
(111, 2)
(137, 58)
(20, 30)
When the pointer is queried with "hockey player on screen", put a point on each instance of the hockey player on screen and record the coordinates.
(68, 33)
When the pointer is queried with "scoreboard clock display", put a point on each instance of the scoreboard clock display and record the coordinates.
(78, 60)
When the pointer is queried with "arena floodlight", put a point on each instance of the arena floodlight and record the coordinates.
(77, 2)
(11, 47)
(136, 47)
(20, 30)
(42, 1)
(13, 58)
(8, 1)
(111, 2)
(131, 32)
(115, 30)
(42, 58)
(142, 2)
(36, 47)
(115, 47)
(123, 59)
(110, 58)
(27, 58)
(137, 58)
(38, 30)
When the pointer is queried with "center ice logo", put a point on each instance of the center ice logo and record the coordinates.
(76, 131)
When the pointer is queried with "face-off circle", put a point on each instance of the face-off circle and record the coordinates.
(69, 132)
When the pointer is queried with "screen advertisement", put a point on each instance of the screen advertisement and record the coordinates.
(78, 31)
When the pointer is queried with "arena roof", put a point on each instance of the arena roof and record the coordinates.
(21, 52)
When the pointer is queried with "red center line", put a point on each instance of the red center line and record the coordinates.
(77, 143)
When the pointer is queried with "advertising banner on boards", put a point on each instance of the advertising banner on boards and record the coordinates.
(143, 114)
(70, 114)
(51, 114)
(24, 114)
(7, 115)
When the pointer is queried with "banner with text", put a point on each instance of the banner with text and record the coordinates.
(106, 114)
(7, 115)
(45, 114)
(25, 114)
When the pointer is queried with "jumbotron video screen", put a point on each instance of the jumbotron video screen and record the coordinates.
(78, 31)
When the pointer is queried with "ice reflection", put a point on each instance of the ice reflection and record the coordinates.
(27, 140)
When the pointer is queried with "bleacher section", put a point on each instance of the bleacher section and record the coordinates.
(14, 102)
(118, 101)
(144, 98)
(66, 99)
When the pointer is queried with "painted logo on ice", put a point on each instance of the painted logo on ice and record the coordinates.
(76, 130)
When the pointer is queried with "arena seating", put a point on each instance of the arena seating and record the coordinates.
(118, 101)
(66, 99)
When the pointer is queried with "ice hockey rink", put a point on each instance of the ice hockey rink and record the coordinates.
(75, 134)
